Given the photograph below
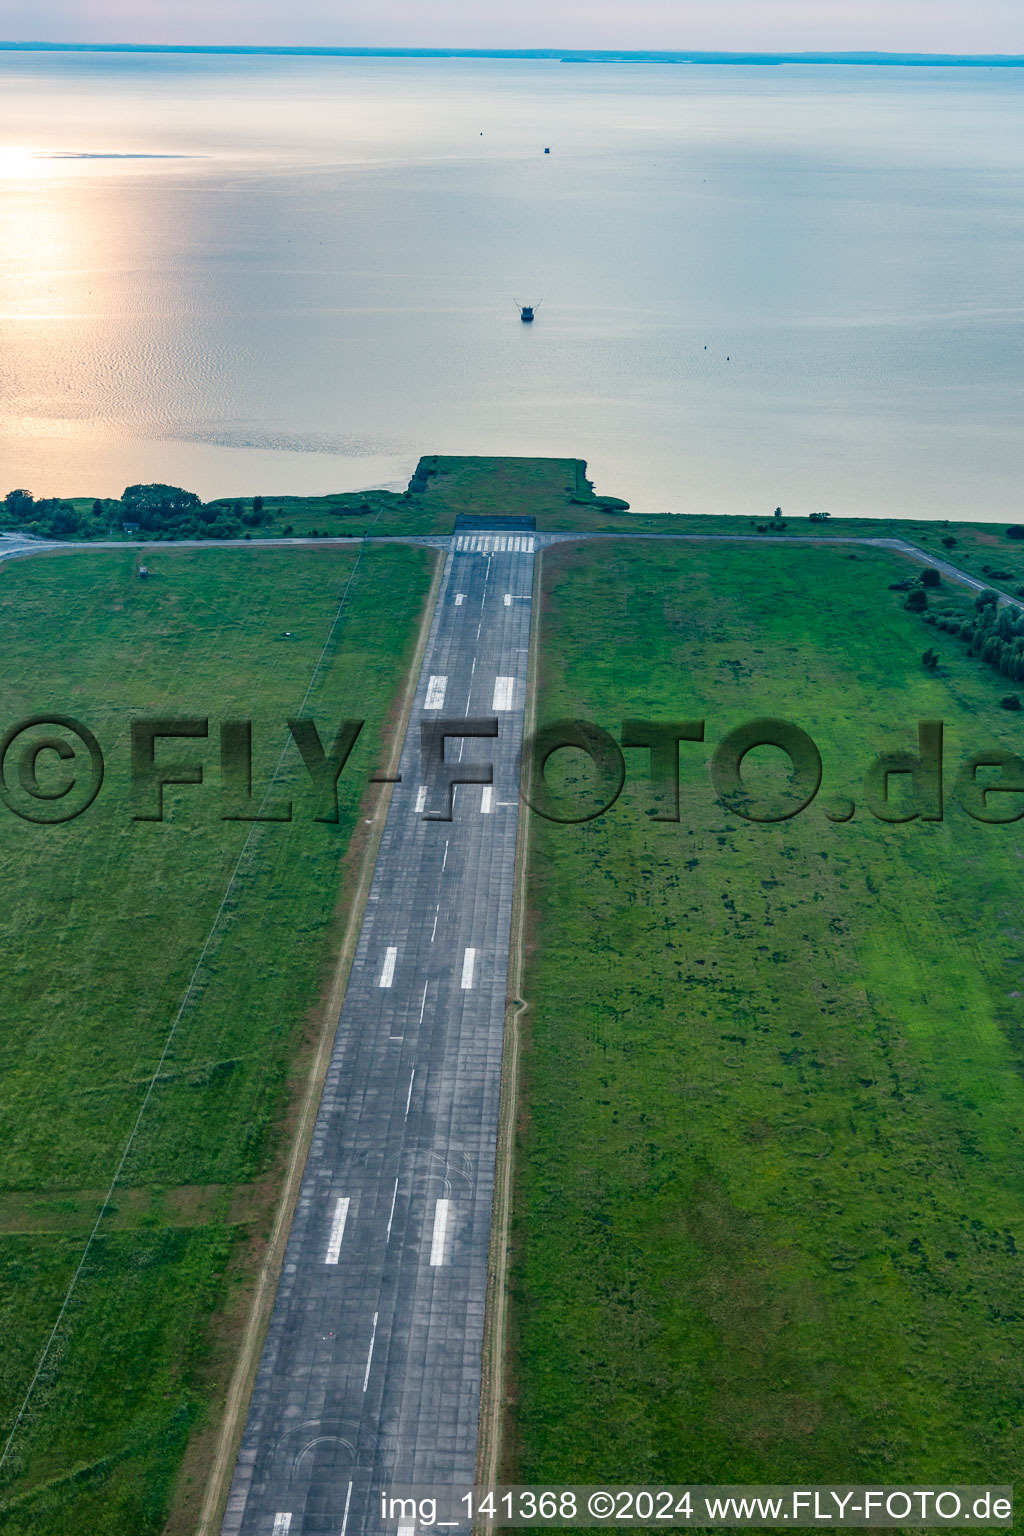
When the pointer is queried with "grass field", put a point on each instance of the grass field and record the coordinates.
(102, 926)
(558, 494)
(769, 1211)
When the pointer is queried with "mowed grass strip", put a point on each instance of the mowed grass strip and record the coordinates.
(769, 1210)
(103, 923)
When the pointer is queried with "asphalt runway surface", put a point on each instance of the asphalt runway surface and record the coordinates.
(371, 1369)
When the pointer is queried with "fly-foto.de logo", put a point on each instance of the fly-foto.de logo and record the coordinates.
(52, 768)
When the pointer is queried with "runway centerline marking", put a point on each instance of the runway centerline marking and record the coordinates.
(423, 1000)
(469, 970)
(441, 1210)
(435, 692)
(387, 975)
(369, 1357)
(344, 1518)
(394, 1197)
(408, 1097)
(337, 1229)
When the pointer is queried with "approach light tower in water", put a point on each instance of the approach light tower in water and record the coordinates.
(527, 311)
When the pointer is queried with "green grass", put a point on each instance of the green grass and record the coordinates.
(557, 493)
(769, 1212)
(103, 923)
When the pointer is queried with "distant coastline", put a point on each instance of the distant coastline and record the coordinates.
(555, 55)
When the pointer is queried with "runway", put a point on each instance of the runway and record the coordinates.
(370, 1372)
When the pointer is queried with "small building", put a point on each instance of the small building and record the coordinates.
(130, 527)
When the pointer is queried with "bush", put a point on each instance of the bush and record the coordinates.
(949, 542)
(917, 602)
(1015, 531)
(930, 660)
(1009, 701)
(986, 599)
(930, 577)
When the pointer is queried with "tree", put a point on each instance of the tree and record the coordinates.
(986, 599)
(917, 602)
(19, 503)
(1015, 531)
(777, 512)
(930, 660)
(949, 542)
(257, 503)
(63, 523)
(930, 577)
(1009, 701)
(819, 517)
(169, 498)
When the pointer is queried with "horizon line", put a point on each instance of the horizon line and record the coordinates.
(558, 55)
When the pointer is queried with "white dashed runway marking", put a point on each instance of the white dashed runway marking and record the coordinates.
(435, 693)
(337, 1230)
(387, 975)
(504, 692)
(440, 1228)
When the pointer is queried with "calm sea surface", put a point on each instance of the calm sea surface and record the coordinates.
(787, 285)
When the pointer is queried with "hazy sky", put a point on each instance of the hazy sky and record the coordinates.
(936, 26)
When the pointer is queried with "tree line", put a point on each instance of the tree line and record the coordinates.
(157, 511)
(994, 634)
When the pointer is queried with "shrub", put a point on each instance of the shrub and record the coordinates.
(917, 602)
(930, 577)
(1009, 701)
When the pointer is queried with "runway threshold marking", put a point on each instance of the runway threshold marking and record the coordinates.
(282, 1524)
(337, 1230)
(369, 1357)
(440, 1228)
(469, 970)
(387, 975)
(435, 693)
(504, 692)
